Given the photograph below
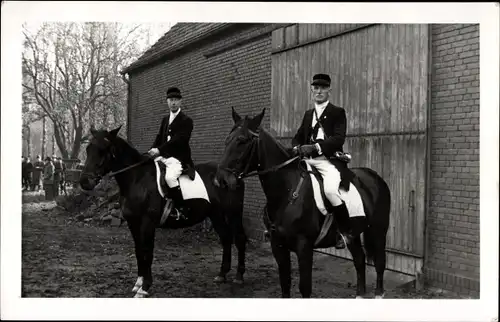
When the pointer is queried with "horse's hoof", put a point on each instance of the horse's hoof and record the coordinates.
(141, 293)
(219, 279)
(381, 296)
(359, 297)
(138, 284)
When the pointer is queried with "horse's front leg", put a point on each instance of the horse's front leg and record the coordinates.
(282, 257)
(358, 256)
(222, 229)
(305, 259)
(240, 239)
(134, 225)
(147, 237)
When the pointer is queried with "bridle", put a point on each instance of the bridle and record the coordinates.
(253, 148)
(113, 173)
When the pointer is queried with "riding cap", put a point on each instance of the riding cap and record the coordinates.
(321, 79)
(174, 92)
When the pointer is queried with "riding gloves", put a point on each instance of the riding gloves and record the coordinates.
(154, 152)
(308, 150)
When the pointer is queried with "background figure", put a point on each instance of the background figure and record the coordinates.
(29, 173)
(23, 172)
(48, 176)
(57, 175)
(37, 173)
(62, 178)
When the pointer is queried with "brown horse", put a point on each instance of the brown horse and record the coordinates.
(142, 205)
(292, 216)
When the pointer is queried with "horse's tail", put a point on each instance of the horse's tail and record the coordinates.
(376, 232)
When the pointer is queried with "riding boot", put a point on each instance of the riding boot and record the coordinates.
(177, 200)
(342, 217)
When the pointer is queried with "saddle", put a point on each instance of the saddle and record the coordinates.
(191, 187)
(189, 171)
(347, 176)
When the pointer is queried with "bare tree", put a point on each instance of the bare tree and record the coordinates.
(72, 72)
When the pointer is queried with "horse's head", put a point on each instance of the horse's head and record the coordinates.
(240, 153)
(100, 155)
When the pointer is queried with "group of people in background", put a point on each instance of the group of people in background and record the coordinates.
(38, 174)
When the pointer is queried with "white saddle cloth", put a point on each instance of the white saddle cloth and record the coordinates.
(352, 198)
(191, 189)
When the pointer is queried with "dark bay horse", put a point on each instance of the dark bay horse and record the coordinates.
(142, 205)
(292, 216)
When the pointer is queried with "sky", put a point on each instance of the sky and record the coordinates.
(156, 31)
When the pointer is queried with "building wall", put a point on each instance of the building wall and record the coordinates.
(239, 78)
(453, 221)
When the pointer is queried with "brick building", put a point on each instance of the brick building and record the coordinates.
(220, 65)
(453, 220)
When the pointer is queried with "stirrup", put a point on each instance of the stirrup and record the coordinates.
(178, 214)
(344, 239)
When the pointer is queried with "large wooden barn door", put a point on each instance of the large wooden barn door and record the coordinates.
(379, 75)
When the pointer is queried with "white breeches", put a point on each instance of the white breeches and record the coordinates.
(331, 178)
(173, 171)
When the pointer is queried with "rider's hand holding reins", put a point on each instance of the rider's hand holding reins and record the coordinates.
(307, 150)
(154, 152)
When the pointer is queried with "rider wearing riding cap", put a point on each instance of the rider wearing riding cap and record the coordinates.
(172, 143)
(320, 142)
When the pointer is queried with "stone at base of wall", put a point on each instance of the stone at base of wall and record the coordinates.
(452, 282)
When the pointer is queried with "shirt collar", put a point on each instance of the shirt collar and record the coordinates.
(320, 107)
(173, 115)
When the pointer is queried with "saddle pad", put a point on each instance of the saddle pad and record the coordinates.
(352, 198)
(191, 189)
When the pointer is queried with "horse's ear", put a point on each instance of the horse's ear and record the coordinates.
(93, 130)
(114, 133)
(236, 117)
(255, 122)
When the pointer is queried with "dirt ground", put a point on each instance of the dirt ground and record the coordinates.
(62, 257)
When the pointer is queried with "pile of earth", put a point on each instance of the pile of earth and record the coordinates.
(99, 205)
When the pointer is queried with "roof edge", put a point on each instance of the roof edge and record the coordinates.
(162, 53)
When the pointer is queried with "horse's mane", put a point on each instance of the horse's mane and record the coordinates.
(284, 149)
(124, 146)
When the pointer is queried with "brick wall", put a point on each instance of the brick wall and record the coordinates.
(452, 260)
(239, 77)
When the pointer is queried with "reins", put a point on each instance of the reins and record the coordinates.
(271, 169)
(129, 167)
